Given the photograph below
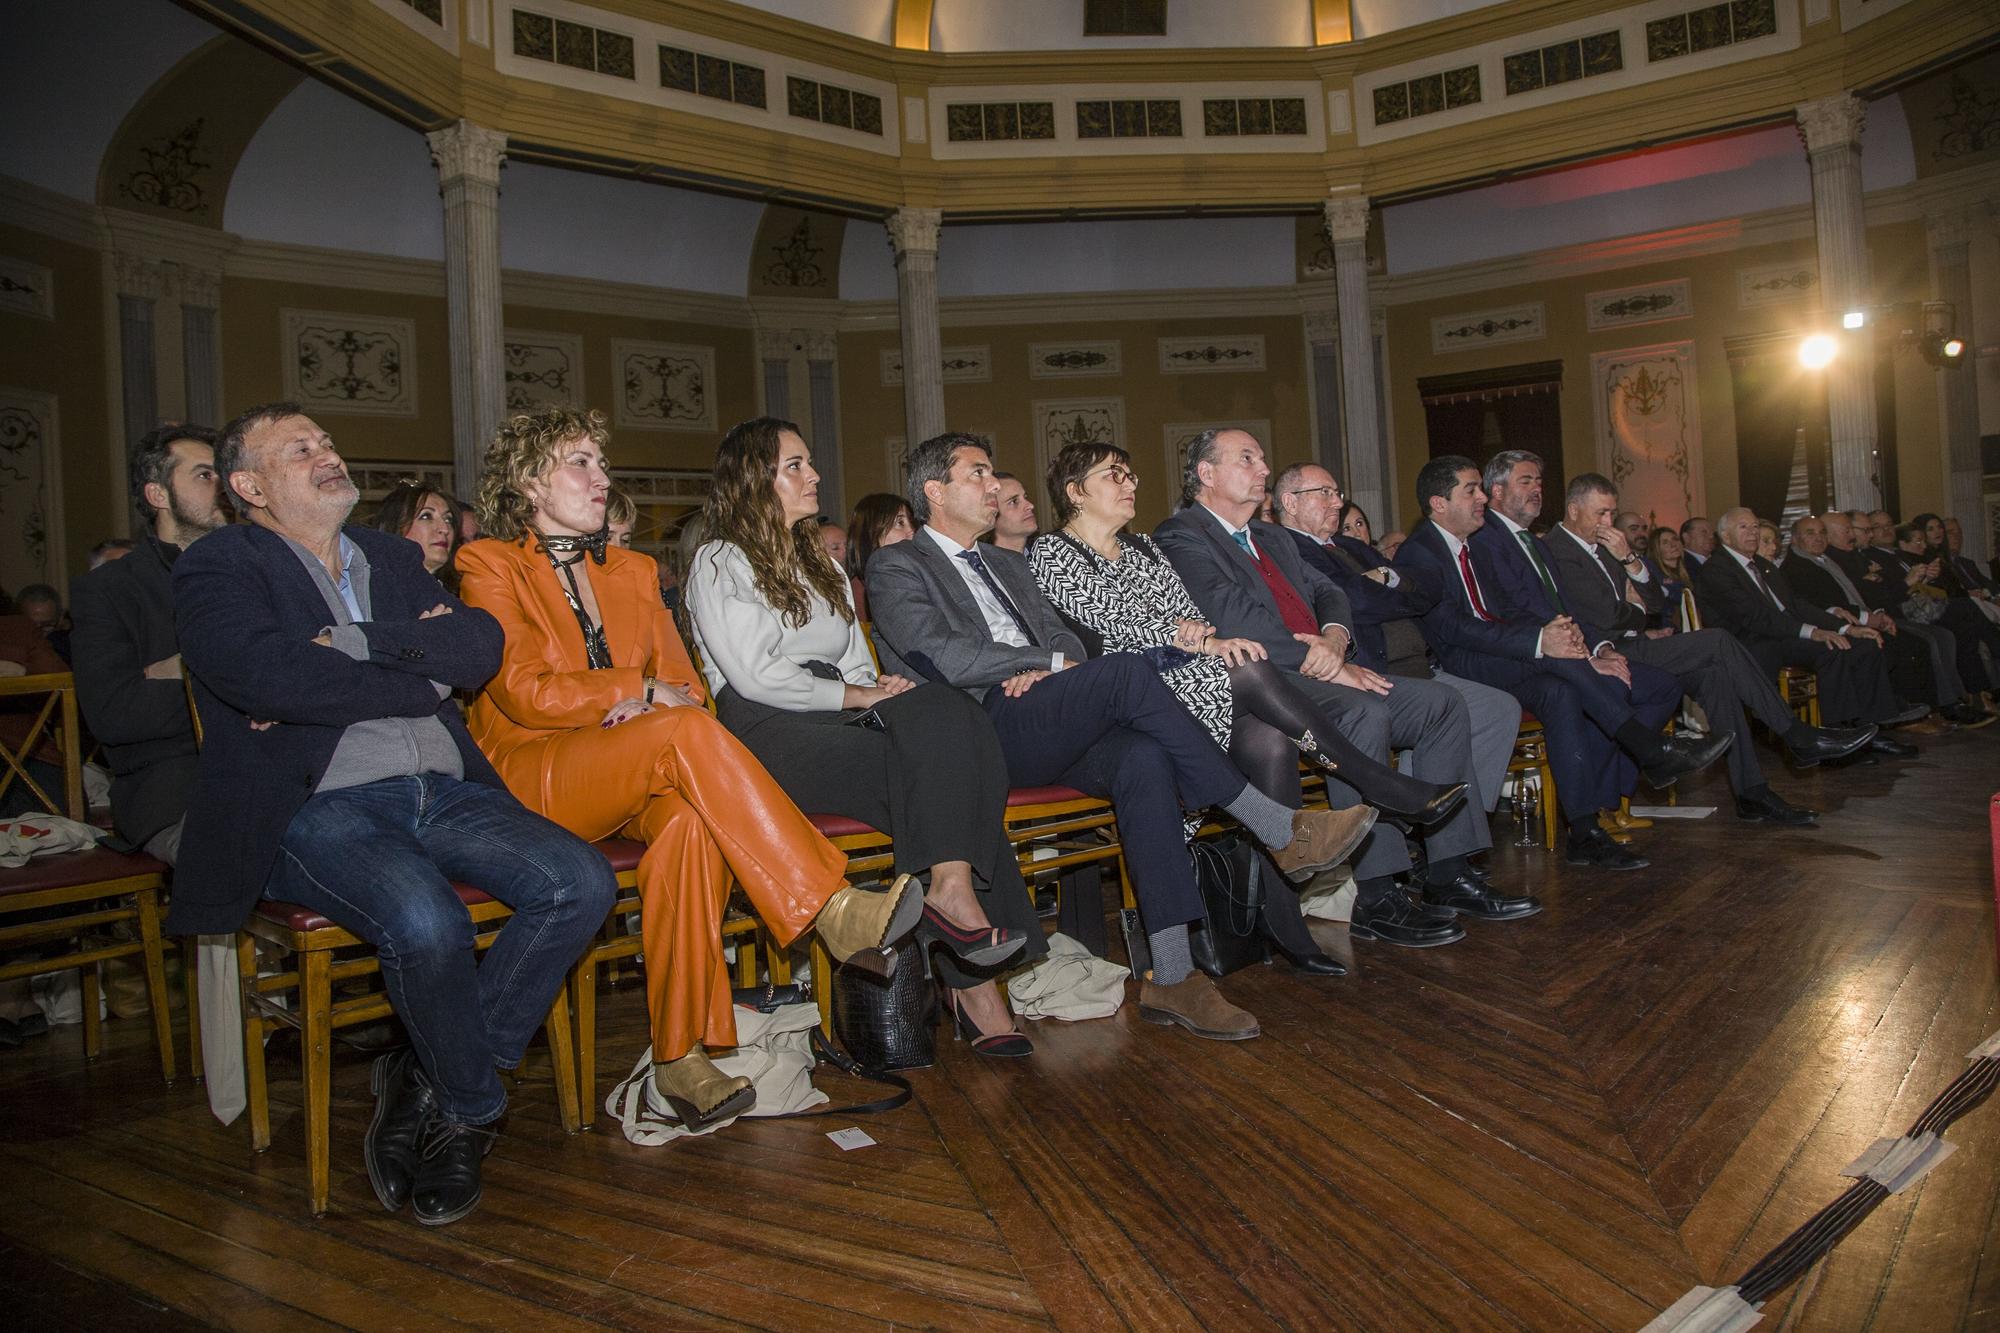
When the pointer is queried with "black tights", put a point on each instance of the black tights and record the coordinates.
(1272, 716)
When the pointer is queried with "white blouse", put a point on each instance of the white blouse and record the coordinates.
(747, 646)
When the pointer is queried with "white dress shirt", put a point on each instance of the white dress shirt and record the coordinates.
(999, 622)
(1454, 545)
(746, 645)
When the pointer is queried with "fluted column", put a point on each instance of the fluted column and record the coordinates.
(1831, 129)
(201, 351)
(774, 353)
(1323, 357)
(822, 370)
(468, 159)
(1950, 235)
(1347, 224)
(913, 235)
(141, 283)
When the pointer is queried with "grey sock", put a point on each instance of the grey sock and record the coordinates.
(1172, 963)
(1270, 822)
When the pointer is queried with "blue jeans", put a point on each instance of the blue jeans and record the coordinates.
(379, 859)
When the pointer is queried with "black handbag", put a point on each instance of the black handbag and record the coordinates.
(1230, 936)
(889, 1024)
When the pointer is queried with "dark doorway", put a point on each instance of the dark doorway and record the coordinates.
(1784, 457)
(1479, 413)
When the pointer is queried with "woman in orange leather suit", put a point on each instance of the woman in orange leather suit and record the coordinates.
(596, 721)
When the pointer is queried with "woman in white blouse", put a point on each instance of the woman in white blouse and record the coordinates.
(793, 679)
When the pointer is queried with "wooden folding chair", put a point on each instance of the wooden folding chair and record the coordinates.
(1800, 688)
(76, 896)
(1531, 757)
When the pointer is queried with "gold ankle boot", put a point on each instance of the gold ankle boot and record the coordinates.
(858, 925)
(700, 1093)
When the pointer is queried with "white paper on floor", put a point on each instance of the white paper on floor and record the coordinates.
(1672, 811)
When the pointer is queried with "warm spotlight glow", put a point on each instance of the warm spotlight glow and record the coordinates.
(1953, 348)
(1817, 352)
(1853, 319)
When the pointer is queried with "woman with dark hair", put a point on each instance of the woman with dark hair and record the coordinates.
(1667, 552)
(795, 682)
(1354, 523)
(595, 721)
(879, 520)
(1120, 588)
(427, 517)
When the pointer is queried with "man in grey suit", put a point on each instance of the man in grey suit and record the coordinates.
(1604, 582)
(1250, 583)
(949, 607)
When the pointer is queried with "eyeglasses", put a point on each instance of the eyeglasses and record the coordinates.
(1118, 472)
(1318, 490)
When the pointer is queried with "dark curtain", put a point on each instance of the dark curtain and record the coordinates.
(1885, 430)
(1770, 396)
(1483, 423)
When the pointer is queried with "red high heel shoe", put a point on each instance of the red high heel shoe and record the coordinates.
(1010, 1044)
(979, 948)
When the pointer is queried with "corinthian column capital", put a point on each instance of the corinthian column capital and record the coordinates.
(914, 229)
(1831, 122)
(468, 151)
(1347, 217)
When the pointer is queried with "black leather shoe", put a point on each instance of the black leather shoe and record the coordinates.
(1966, 716)
(404, 1100)
(1595, 848)
(1475, 898)
(1434, 811)
(1680, 757)
(1770, 808)
(1394, 919)
(1313, 964)
(1914, 713)
(447, 1185)
(1894, 749)
(1828, 743)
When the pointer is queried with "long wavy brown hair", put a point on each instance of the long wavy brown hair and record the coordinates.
(524, 449)
(788, 565)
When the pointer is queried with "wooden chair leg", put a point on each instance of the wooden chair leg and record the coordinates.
(191, 986)
(316, 1053)
(583, 994)
(822, 966)
(257, 1091)
(777, 960)
(562, 1061)
(93, 1021)
(1551, 815)
(156, 978)
(746, 960)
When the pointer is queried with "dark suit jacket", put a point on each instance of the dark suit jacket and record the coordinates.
(1815, 586)
(1594, 588)
(247, 612)
(1452, 626)
(1230, 590)
(1522, 595)
(1375, 605)
(932, 629)
(1878, 579)
(122, 614)
(1970, 574)
(1731, 600)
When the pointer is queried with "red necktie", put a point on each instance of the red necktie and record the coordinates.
(1471, 583)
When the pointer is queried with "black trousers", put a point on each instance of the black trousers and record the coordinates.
(1111, 728)
(1853, 685)
(933, 779)
(1727, 682)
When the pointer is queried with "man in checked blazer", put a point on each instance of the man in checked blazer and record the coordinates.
(949, 607)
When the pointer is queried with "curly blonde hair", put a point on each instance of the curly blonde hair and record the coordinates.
(525, 449)
(787, 564)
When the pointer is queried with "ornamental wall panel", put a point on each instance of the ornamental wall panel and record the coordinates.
(1055, 422)
(1075, 360)
(1490, 328)
(1777, 284)
(349, 365)
(27, 288)
(31, 528)
(959, 365)
(663, 386)
(1648, 427)
(542, 370)
(1214, 355)
(1652, 303)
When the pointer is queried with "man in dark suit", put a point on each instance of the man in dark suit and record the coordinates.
(1923, 659)
(1388, 633)
(1697, 542)
(1603, 581)
(1887, 580)
(1497, 623)
(1976, 580)
(337, 774)
(949, 607)
(1745, 594)
(1249, 582)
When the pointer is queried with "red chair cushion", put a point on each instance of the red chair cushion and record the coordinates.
(1042, 796)
(839, 826)
(65, 869)
(292, 916)
(622, 853)
(1529, 719)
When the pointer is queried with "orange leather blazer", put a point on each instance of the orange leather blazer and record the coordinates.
(545, 685)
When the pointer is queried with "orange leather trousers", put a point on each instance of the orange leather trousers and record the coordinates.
(706, 810)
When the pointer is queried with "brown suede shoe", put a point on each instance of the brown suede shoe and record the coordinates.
(858, 926)
(1198, 1006)
(1322, 838)
(699, 1093)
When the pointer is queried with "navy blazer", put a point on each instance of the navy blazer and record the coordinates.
(1452, 627)
(1374, 604)
(1732, 601)
(1230, 590)
(247, 611)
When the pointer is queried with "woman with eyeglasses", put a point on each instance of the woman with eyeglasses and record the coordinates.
(1119, 588)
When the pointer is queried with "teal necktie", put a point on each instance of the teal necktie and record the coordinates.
(1242, 536)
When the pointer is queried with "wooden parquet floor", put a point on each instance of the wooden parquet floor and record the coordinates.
(1563, 1123)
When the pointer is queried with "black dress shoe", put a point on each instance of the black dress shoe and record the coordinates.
(1679, 757)
(1595, 848)
(404, 1100)
(1436, 810)
(1313, 964)
(1914, 713)
(447, 1185)
(1770, 808)
(1394, 919)
(1828, 743)
(1966, 716)
(1894, 749)
(1475, 898)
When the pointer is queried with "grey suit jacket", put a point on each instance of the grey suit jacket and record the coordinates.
(1587, 587)
(928, 627)
(1230, 590)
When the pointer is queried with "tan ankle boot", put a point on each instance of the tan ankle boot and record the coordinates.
(859, 924)
(1198, 1006)
(700, 1093)
(1322, 838)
